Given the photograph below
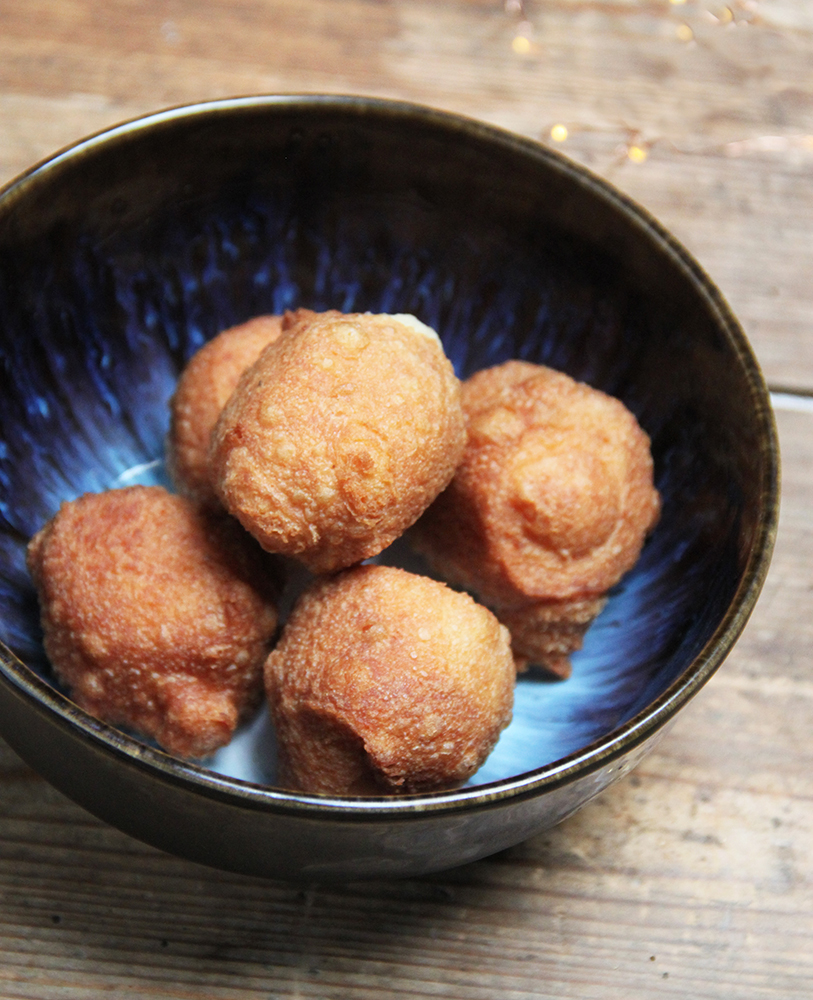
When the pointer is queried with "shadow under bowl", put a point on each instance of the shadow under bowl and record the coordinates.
(124, 254)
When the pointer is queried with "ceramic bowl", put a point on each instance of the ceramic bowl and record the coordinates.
(122, 255)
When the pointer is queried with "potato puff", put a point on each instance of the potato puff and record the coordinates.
(387, 682)
(339, 436)
(205, 384)
(549, 508)
(156, 616)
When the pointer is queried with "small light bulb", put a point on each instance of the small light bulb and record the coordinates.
(637, 154)
(521, 45)
(558, 133)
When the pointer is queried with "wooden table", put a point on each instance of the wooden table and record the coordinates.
(691, 878)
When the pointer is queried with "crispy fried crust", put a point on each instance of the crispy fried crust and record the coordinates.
(549, 507)
(385, 682)
(338, 437)
(155, 616)
(203, 388)
(545, 633)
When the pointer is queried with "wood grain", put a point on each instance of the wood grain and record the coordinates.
(692, 877)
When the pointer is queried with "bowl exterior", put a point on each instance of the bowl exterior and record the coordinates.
(123, 255)
(237, 833)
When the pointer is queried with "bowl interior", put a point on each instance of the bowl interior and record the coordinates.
(125, 255)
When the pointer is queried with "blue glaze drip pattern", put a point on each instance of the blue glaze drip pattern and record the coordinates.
(90, 352)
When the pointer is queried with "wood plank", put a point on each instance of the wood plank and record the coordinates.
(688, 878)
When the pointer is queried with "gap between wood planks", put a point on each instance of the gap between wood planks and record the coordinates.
(786, 399)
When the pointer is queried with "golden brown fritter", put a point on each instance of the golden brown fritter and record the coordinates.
(156, 616)
(549, 507)
(339, 436)
(547, 632)
(205, 384)
(384, 681)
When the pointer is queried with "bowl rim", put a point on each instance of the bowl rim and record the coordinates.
(594, 756)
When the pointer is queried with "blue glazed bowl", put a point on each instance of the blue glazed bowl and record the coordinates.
(123, 255)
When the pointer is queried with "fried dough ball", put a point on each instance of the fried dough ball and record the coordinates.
(549, 508)
(155, 616)
(547, 632)
(339, 436)
(387, 682)
(205, 384)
